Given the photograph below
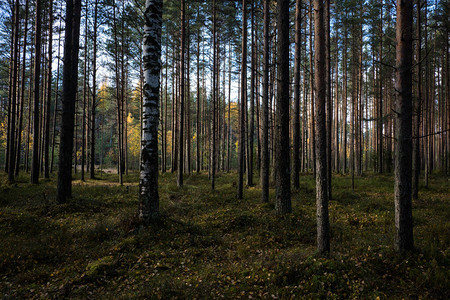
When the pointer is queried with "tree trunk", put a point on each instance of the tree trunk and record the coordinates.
(265, 163)
(164, 117)
(203, 106)
(403, 157)
(173, 127)
(242, 111)
(22, 94)
(43, 104)
(148, 183)
(360, 94)
(353, 118)
(283, 169)
(447, 100)
(312, 88)
(85, 95)
(119, 111)
(94, 93)
(181, 131)
(70, 74)
(198, 125)
(336, 110)
(229, 111)
(214, 101)
(49, 94)
(329, 95)
(188, 103)
(380, 97)
(252, 102)
(323, 225)
(13, 96)
(30, 96)
(305, 118)
(55, 111)
(75, 167)
(296, 143)
(37, 73)
(416, 141)
(124, 97)
(11, 85)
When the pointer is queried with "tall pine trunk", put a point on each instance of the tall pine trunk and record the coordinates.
(242, 112)
(70, 79)
(55, 111)
(328, 92)
(22, 93)
(118, 101)
(265, 163)
(416, 142)
(13, 96)
(380, 97)
(181, 128)
(312, 88)
(403, 155)
(85, 95)
(37, 74)
(297, 135)
(214, 101)
(283, 169)
(198, 125)
(323, 225)
(49, 94)
(252, 102)
(94, 93)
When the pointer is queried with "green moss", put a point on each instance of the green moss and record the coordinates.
(100, 267)
(208, 244)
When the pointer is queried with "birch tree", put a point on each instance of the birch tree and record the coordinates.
(148, 182)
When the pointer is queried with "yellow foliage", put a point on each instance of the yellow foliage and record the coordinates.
(102, 94)
(169, 141)
(129, 119)
(3, 134)
(134, 136)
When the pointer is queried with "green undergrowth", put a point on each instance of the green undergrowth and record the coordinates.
(208, 244)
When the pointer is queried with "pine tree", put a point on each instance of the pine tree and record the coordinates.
(403, 157)
(37, 71)
(182, 87)
(265, 163)
(296, 143)
(283, 175)
(70, 78)
(242, 111)
(323, 226)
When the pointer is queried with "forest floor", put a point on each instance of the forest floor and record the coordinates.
(208, 244)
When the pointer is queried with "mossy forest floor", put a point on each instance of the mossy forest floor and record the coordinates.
(208, 244)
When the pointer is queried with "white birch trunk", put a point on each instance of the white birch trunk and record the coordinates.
(148, 183)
